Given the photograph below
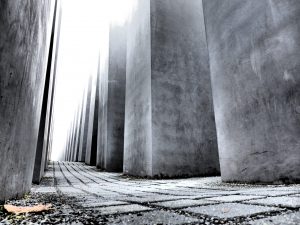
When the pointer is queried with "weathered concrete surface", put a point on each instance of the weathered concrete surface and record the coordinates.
(50, 143)
(71, 141)
(114, 100)
(169, 125)
(85, 125)
(81, 155)
(138, 130)
(46, 113)
(50, 125)
(91, 145)
(102, 117)
(255, 71)
(67, 146)
(24, 42)
(75, 156)
(78, 131)
(94, 146)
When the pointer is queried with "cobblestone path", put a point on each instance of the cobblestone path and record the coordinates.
(95, 197)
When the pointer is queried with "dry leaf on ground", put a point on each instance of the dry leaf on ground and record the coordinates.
(27, 209)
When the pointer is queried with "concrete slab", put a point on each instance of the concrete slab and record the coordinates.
(24, 45)
(255, 80)
(112, 103)
(84, 134)
(284, 201)
(47, 105)
(230, 210)
(92, 132)
(82, 137)
(169, 122)
(77, 133)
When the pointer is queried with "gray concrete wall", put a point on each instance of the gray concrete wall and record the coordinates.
(49, 137)
(115, 102)
(94, 146)
(70, 143)
(83, 139)
(75, 156)
(103, 92)
(184, 137)
(69, 146)
(138, 127)
(178, 111)
(43, 129)
(254, 59)
(72, 139)
(24, 42)
(81, 155)
(46, 114)
(49, 146)
(90, 149)
(78, 129)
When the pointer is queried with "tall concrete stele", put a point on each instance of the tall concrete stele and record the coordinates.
(92, 129)
(254, 51)
(24, 42)
(42, 150)
(169, 120)
(112, 81)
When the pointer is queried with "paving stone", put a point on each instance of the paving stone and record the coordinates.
(101, 203)
(268, 192)
(124, 199)
(155, 198)
(153, 217)
(175, 192)
(122, 209)
(234, 198)
(229, 210)
(72, 192)
(203, 195)
(287, 219)
(44, 190)
(285, 201)
(183, 203)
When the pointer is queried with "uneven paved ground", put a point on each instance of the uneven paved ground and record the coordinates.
(81, 194)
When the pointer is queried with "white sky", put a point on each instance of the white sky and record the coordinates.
(82, 26)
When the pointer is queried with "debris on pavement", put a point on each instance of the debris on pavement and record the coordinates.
(27, 209)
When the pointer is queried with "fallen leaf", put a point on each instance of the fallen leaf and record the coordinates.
(27, 209)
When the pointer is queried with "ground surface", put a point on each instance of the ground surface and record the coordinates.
(81, 194)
